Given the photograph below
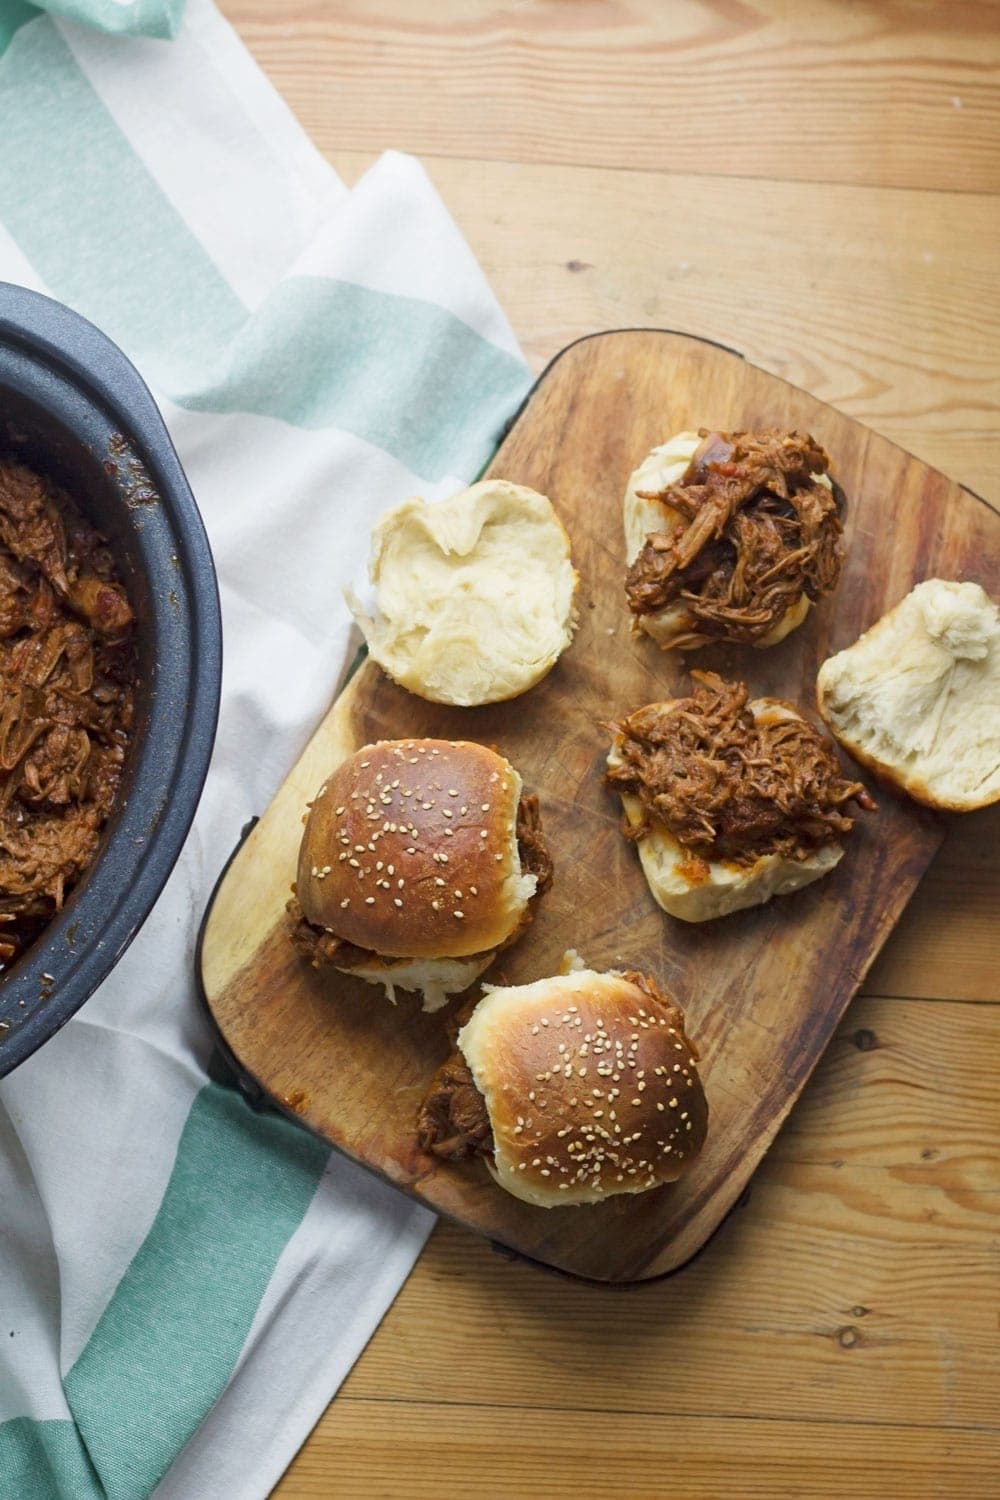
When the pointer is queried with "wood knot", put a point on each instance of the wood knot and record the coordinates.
(579, 265)
(848, 1337)
(864, 1040)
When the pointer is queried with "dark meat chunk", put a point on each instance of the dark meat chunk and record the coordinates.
(453, 1122)
(729, 786)
(534, 851)
(319, 946)
(758, 532)
(67, 677)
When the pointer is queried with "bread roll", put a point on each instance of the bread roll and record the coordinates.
(730, 802)
(917, 697)
(473, 596)
(663, 466)
(696, 889)
(410, 871)
(574, 1088)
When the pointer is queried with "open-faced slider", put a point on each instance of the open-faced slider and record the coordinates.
(730, 536)
(729, 802)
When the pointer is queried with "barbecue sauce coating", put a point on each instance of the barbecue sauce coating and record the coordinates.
(758, 531)
(67, 678)
(729, 785)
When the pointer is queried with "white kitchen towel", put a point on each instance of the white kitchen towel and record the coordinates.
(184, 1283)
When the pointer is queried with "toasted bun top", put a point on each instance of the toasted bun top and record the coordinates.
(473, 595)
(590, 1084)
(917, 697)
(410, 850)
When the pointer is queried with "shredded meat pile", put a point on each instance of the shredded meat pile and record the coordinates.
(728, 786)
(760, 531)
(320, 946)
(67, 672)
(453, 1122)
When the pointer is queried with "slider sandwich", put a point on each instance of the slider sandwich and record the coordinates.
(571, 1090)
(729, 802)
(730, 537)
(421, 859)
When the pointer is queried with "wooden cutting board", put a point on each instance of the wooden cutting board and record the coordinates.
(763, 990)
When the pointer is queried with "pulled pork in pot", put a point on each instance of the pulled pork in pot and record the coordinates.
(758, 530)
(729, 785)
(67, 673)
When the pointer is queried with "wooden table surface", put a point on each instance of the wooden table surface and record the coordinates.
(815, 183)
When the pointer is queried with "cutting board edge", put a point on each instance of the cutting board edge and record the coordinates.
(255, 1090)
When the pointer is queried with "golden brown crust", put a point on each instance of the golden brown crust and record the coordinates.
(591, 1085)
(409, 850)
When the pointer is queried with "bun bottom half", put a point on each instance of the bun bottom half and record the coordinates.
(673, 627)
(694, 889)
(435, 979)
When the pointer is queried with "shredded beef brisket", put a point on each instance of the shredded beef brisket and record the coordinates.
(453, 1123)
(758, 531)
(531, 846)
(67, 674)
(728, 786)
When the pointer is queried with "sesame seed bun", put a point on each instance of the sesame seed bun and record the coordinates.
(590, 1084)
(410, 851)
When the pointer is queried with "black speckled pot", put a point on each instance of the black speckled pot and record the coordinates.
(73, 406)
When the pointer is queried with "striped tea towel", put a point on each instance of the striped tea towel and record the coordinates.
(183, 1284)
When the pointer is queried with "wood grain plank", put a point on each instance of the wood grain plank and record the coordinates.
(886, 305)
(947, 942)
(891, 94)
(378, 1448)
(859, 1279)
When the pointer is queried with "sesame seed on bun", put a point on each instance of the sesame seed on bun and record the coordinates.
(410, 857)
(590, 1085)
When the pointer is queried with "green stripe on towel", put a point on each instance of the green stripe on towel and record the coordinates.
(403, 374)
(167, 1342)
(318, 353)
(45, 1461)
(159, 18)
(13, 14)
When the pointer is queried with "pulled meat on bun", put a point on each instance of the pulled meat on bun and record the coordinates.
(571, 1089)
(730, 802)
(730, 536)
(419, 862)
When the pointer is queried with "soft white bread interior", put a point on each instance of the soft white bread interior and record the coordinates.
(473, 596)
(590, 1084)
(695, 889)
(434, 979)
(917, 697)
(664, 466)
